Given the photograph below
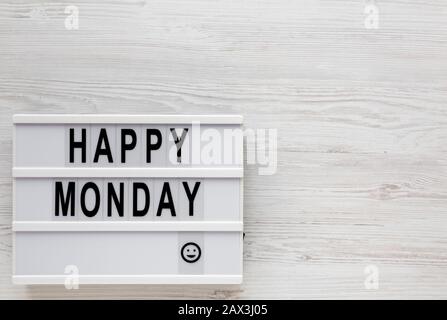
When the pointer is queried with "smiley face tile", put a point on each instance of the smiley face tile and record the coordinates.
(192, 252)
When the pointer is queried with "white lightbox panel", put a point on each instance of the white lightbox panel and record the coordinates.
(41, 146)
(126, 250)
(216, 200)
(123, 253)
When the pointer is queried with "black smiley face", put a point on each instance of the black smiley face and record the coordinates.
(191, 252)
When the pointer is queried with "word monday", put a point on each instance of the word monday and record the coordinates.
(65, 199)
(65, 194)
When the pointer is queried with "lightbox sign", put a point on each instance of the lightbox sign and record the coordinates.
(125, 199)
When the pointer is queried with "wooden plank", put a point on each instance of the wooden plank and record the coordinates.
(360, 114)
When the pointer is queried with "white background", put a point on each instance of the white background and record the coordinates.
(361, 118)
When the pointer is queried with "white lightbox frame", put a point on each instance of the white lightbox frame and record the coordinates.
(127, 226)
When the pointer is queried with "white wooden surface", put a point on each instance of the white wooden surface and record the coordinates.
(361, 117)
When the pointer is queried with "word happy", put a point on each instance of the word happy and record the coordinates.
(128, 141)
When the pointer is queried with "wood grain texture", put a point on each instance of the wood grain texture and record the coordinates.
(361, 117)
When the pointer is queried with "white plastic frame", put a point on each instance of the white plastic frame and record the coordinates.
(105, 226)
